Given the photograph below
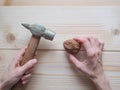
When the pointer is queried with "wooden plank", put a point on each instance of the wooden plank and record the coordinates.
(56, 72)
(61, 2)
(110, 59)
(67, 22)
(66, 82)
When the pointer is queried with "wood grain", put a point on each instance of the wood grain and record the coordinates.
(54, 71)
(61, 2)
(57, 72)
(86, 21)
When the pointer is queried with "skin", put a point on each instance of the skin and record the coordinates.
(16, 72)
(92, 66)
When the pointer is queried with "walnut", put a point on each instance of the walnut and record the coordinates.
(71, 46)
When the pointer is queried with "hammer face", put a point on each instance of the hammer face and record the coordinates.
(48, 34)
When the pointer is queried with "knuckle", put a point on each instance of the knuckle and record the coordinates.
(98, 52)
(91, 53)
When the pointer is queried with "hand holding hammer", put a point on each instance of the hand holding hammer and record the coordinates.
(37, 31)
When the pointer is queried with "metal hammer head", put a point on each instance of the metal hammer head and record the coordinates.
(40, 31)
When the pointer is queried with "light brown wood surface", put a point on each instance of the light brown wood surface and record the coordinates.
(54, 71)
(60, 2)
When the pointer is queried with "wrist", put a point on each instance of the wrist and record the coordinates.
(101, 82)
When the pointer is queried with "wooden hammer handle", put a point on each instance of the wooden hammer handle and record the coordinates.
(31, 49)
(29, 54)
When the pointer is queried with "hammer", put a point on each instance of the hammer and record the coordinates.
(37, 31)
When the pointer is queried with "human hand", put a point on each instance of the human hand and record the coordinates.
(15, 72)
(92, 66)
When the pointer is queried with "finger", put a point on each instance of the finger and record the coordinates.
(30, 64)
(101, 44)
(18, 57)
(85, 42)
(26, 77)
(21, 53)
(94, 45)
(29, 71)
(75, 61)
(92, 42)
(96, 41)
(78, 39)
(25, 82)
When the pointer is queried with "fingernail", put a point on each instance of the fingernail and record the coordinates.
(34, 60)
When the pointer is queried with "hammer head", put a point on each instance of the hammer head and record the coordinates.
(40, 31)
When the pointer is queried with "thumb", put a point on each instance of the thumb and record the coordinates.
(30, 64)
(75, 61)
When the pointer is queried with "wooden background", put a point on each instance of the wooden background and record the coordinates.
(62, 2)
(68, 18)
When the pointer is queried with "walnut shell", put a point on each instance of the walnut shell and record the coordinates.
(72, 46)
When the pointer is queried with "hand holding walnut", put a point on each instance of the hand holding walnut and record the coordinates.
(92, 66)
